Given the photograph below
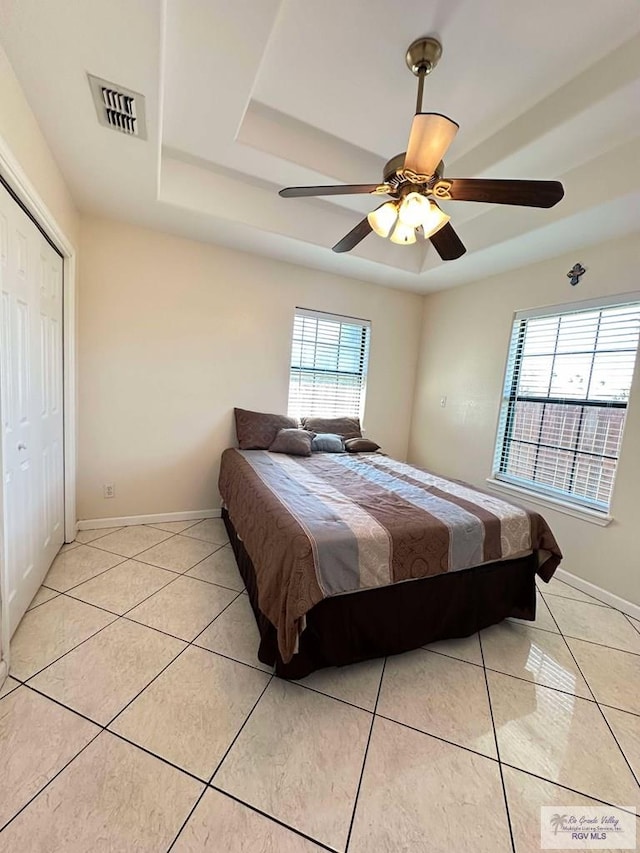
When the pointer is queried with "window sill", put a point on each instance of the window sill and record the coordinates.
(583, 513)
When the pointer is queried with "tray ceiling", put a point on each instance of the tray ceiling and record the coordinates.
(243, 98)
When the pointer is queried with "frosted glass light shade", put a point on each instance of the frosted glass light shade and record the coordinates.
(412, 209)
(417, 210)
(383, 218)
(403, 234)
(434, 219)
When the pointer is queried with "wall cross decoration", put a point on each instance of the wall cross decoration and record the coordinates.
(575, 273)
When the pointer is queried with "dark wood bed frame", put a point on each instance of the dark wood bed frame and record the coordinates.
(396, 618)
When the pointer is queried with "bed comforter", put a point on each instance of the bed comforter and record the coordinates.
(336, 523)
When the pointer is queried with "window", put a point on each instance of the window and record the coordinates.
(329, 356)
(566, 391)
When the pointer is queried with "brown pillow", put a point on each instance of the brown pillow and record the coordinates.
(297, 442)
(360, 445)
(257, 430)
(346, 427)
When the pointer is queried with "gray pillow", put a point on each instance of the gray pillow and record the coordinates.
(361, 445)
(296, 442)
(346, 427)
(257, 430)
(328, 442)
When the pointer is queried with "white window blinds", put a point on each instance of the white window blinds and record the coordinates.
(329, 356)
(567, 386)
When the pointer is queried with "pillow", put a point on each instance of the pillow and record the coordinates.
(257, 430)
(327, 442)
(360, 445)
(346, 427)
(297, 442)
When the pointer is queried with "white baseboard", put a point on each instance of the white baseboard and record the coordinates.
(75, 527)
(127, 520)
(601, 594)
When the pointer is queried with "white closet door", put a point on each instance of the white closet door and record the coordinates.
(32, 419)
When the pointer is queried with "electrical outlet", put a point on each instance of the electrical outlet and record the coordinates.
(443, 402)
(108, 490)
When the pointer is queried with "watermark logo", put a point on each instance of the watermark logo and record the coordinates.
(587, 828)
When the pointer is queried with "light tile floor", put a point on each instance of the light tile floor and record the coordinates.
(138, 717)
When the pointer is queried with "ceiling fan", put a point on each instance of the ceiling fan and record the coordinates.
(415, 180)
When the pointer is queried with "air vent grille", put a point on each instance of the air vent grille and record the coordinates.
(118, 107)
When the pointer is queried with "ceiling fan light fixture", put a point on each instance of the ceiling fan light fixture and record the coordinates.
(383, 218)
(403, 234)
(415, 179)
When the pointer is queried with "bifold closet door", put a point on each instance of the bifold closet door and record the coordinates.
(32, 404)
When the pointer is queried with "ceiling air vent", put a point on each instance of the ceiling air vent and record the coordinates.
(119, 108)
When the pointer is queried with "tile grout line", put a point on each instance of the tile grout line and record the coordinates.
(596, 601)
(208, 784)
(593, 642)
(193, 642)
(157, 525)
(631, 621)
(135, 556)
(50, 781)
(105, 727)
(161, 542)
(320, 844)
(364, 757)
(545, 592)
(119, 616)
(437, 737)
(95, 633)
(188, 644)
(102, 729)
(35, 606)
(151, 594)
(101, 607)
(495, 738)
(566, 788)
(228, 657)
(323, 693)
(101, 536)
(154, 755)
(86, 580)
(510, 674)
(253, 808)
(602, 714)
(559, 633)
(246, 720)
(175, 636)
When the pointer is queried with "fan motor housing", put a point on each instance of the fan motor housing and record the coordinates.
(392, 172)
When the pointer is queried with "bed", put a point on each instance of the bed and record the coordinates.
(347, 557)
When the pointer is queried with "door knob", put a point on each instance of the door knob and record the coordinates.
(22, 446)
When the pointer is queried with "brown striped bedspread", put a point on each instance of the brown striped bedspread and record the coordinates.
(336, 523)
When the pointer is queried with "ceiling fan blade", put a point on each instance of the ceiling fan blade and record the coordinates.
(353, 237)
(430, 137)
(525, 193)
(447, 243)
(344, 189)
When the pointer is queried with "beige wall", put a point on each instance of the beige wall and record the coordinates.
(20, 130)
(465, 336)
(175, 333)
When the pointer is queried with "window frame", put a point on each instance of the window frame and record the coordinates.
(365, 351)
(577, 506)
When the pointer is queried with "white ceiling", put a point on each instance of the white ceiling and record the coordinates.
(245, 97)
